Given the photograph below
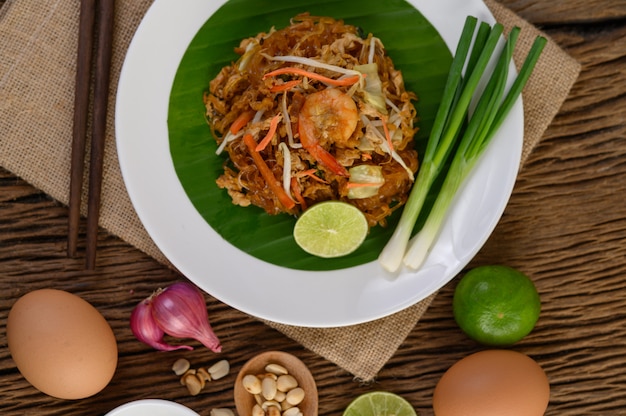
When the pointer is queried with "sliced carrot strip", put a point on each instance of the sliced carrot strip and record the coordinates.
(270, 133)
(267, 174)
(285, 86)
(311, 174)
(241, 121)
(305, 172)
(299, 71)
(387, 134)
(361, 185)
(297, 192)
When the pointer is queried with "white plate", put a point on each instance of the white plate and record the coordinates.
(314, 299)
(152, 407)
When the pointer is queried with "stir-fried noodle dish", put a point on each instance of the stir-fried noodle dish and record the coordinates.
(310, 113)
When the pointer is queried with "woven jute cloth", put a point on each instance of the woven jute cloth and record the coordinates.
(38, 43)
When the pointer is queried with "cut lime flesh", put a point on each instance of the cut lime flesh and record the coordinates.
(379, 403)
(331, 229)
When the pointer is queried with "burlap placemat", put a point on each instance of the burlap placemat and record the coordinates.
(37, 69)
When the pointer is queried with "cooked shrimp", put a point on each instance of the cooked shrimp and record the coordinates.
(327, 116)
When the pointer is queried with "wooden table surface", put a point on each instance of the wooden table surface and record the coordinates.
(565, 226)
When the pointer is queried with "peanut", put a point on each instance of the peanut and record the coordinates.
(286, 382)
(195, 379)
(276, 392)
(277, 369)
(257, 410)
(193, 383)
(180, 366)
(292, 411)
(203, 374)
(252, 384)
(295, 396)
(219, 369)
(268, 388)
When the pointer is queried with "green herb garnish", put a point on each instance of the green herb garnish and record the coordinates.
(451, 138)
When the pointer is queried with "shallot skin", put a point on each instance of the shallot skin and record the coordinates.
(178, 310)
(181, 312)
(146, 330)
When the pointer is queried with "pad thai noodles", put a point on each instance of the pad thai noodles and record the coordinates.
(310, 113)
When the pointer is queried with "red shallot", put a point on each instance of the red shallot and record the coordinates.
(146, 330)
(179, 311)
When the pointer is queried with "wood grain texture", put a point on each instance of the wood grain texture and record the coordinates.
(565, 226)
(569, 12)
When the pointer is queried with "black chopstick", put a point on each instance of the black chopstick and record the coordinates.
(81, 112)
(104, 36)
(101, 95)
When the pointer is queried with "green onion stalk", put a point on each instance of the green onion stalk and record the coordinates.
(456, 142)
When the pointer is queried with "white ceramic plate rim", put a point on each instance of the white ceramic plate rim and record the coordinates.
(152, 407)
(302, 298)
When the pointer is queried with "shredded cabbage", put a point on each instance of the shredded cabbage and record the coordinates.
(367, 180)
(373, 91)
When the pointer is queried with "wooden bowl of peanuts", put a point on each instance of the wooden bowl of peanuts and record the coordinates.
(275, 383)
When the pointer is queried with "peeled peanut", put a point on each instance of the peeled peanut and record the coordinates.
(252, 384)
(286, 382)
(257, 410)
(193, 383)
(285, 405)
(268, 388)
(219, 369)
(180, 366)
(222, 412)
(280, 396)
(203, 374)
(276, 392)
(189, 371)
(276, 369)
(293, 411)
(295, 396)
(269, 404)
(273, 411)
(267, 375)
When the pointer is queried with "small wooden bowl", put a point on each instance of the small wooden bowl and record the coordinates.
(245, 401)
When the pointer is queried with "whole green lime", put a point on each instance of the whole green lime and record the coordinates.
(496, 305)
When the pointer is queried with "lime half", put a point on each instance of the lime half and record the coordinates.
(331, 229)
(379, 403)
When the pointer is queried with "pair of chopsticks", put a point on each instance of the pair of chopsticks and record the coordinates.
(95, 28)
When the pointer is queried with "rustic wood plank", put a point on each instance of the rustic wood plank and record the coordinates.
(564, 226)
(567, 11)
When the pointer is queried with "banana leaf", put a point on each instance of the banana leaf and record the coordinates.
(412, 42)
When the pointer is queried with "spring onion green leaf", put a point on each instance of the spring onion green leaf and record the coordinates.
(452, 139)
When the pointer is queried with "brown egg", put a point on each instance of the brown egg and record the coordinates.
(493, 383)
(61, 344)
